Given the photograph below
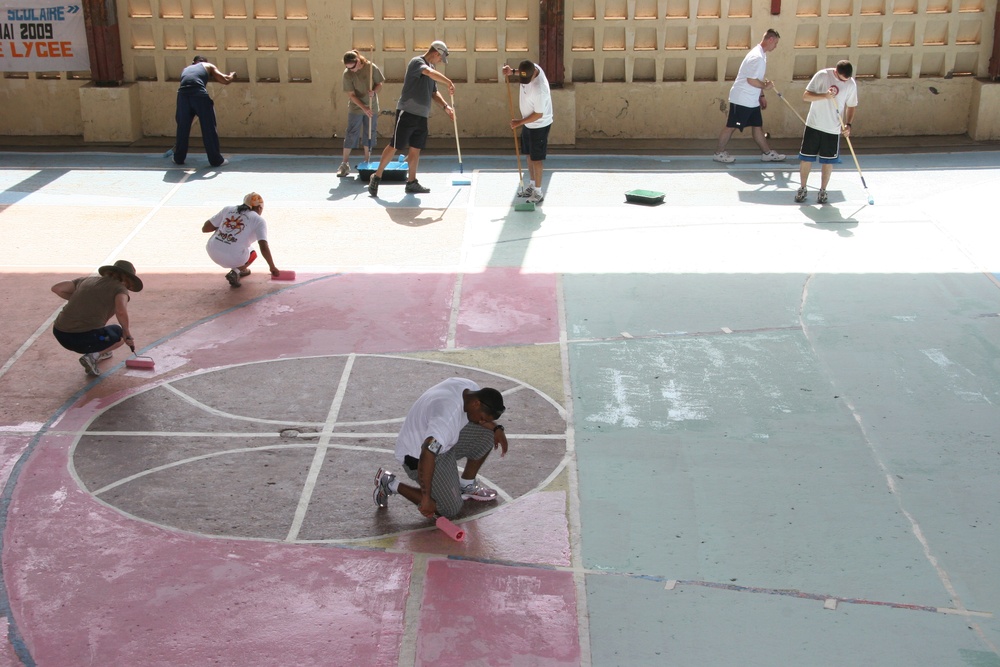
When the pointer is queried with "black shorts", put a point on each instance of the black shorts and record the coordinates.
(740, 117)
(535, 142)
(86, 342)
(410, 131)
(819, 145)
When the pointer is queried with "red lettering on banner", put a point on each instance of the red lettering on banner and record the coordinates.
(54, 49)
(41, 49)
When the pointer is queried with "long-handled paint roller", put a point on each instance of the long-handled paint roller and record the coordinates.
(458, 146)
(517, 148)
(525, 206)
(373, 101)
(871, 200)
(138, 361)
(789, 105)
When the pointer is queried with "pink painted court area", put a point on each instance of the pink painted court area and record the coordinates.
(742, 431)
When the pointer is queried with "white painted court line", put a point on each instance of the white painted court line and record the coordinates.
(320, 456)
(942, 574)
(573, 487)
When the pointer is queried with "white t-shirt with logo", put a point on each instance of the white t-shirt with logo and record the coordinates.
(822, 114)
(229, 246)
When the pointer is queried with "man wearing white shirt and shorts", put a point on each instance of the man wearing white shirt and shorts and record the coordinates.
(746, 100)
(236, 228)
(535, 102)
(452, 420)
(833, 97)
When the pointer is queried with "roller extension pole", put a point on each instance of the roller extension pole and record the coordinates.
(789, 105)
(458, 147)
(871, 200)
(517, 149)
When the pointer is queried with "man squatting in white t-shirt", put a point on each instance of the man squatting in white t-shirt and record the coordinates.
(832, 94)
(236, 228)
(746, 100)
(535, 102)
(452, 420)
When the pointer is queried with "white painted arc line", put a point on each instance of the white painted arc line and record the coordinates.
(191, 459)
(228, 415)
(320, 455)
(275, 435)
(47, 324)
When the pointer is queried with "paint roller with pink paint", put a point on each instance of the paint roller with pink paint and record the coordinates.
(450, 529)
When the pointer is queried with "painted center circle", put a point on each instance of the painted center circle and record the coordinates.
(287, 450)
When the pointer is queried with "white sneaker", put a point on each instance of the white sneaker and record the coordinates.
(536, 196)
(476, 490)
(89, 363)
(344, 170)
(724, 156)
(773, 156)
(104, 356)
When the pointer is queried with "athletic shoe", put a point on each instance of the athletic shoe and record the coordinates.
(724, 156)
(373, 185)
(523, 191)
(773, 156)
(344, 170)
(244, 273)
(382, 491)
(800, 195)
(414, 188)
(821, 198)
(475, 490)
(104, 356)
(233, 277)
(536, 196)
(89, 363)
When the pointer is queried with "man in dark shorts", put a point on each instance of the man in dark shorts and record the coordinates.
(832, 94)
(412, 110)
(535, 102)
(81, 325)
(746, 100)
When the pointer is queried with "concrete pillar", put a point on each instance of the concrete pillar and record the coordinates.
(984, 111)
(111, 115)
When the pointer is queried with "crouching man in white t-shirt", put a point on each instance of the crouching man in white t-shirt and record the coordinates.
(236, 228)
(452, 420)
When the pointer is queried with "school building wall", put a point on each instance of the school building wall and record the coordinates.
(632, 68)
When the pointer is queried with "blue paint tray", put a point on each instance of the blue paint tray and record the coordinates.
(394, 171)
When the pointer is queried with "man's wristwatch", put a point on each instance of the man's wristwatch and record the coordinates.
(498, 427)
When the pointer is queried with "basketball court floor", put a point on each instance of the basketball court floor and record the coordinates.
(743, 431)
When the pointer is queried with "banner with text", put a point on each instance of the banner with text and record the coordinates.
(39, 36)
